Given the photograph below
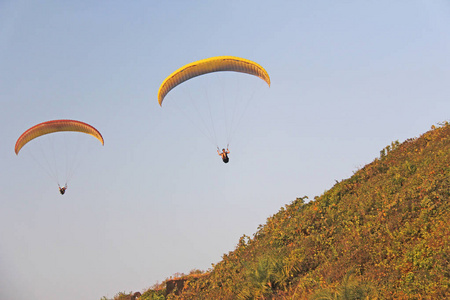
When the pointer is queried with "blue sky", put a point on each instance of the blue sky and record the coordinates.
(348, 78)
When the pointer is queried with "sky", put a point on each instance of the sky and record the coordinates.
(347, 79)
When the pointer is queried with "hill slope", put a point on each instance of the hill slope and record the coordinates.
(382, 234)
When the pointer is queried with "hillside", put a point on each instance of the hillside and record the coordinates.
(382, 234)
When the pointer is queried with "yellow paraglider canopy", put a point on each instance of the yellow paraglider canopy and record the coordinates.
(209, 65)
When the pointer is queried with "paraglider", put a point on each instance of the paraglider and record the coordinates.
(54, 126)
(224, 155)
(63, 189)
(207, 66)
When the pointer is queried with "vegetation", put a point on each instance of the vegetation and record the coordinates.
(381, 234)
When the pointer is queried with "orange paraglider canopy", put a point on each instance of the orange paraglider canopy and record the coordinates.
(56, 126)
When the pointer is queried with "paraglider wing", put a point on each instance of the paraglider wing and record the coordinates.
(56, 126)
(209, 65)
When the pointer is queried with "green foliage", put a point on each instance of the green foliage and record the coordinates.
(389, 148)
(381, 234)
(152, 295)
(122, 296)
(351, 288)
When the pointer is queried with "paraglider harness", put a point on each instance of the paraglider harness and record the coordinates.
(225, 158)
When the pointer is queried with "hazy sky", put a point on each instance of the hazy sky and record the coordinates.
(348, 78)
